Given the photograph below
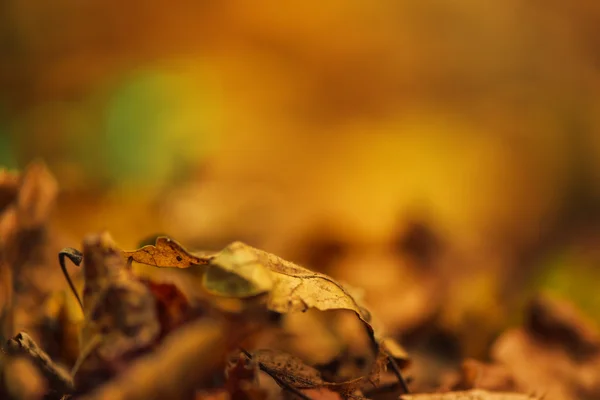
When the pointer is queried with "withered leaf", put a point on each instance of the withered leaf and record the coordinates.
(26, 242)
(121, 318)
(166, 253)
(241, 271)
(475, 394)
(555, 352)
(58, 378)
(171, 304)
(478, 375)
(290, 370)
(241, 380)
(321, 394)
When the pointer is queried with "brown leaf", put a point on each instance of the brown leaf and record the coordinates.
(555, 352)
(166, 253)
(9, 187)
(23, 380)
(59, 380)
(36, 195)
(322, 394)
(556, 321)
(175, 369)
(477, 375)
(215, 394)
(475, 394)
(243, 271)
(292, 371)
(288, 369)
(27, 251)
(172, 305)
(242, 380)
(121, 318)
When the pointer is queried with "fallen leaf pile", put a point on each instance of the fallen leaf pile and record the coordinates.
(253, 327)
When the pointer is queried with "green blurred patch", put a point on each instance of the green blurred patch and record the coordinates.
(7, 147)
(574, 276)
(157, 128)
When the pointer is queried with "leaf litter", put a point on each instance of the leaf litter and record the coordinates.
(144, 338)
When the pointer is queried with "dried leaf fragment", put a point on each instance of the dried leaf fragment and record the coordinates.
(554, 353)
(166, 252)
(58, 378)
(475, 394)
(121, 317)
(288, 369)
(291, 372)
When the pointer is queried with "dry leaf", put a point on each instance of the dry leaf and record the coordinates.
(560, 322)
(9, 187)
(215, 394)
(243, 271)
(242, 380)
(555, 353)
(166, 253)
(27, 252)
(322, 394)
(175, 369)
(23, 380)
(477, 375)
(121, 318)
(59, 380)
(290, 371)
(475, 394)
(171, 304)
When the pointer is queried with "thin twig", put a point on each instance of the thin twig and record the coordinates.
(76, 257)
(397, 372)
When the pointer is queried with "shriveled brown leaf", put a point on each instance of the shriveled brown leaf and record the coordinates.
(9, 187)
(322, 394)
(478, 375)
(23, 380)
(215, 394)
(121, 318)
(36, 196)
(545, 356)
(290, 370)
(166, 252)
(172, 305)
(28, 248)
(59, 380)
(555, 321)
(175, 369)
(241, 380)
(475, 394)
(242, 271)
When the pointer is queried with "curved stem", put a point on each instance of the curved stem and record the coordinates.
(76, 257)
(397, 372)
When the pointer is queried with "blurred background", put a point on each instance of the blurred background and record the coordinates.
(442, 155)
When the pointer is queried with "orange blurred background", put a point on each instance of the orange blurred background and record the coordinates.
(343, 135)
